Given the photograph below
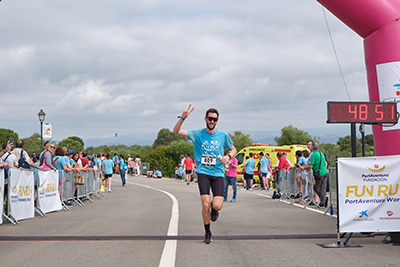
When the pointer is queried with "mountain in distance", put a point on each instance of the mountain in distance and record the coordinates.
(128, 140)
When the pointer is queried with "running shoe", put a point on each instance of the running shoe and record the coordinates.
(207, 238)
(214, 214)
(225, 200)
(243, 189)
(233, 200)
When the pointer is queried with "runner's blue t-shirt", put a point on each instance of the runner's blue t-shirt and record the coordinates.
(264, 167)
(250, 164)
(98, 162)
(207, 148)
(302, 161)
(108, 164)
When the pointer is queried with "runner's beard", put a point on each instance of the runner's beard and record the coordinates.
(208, 127)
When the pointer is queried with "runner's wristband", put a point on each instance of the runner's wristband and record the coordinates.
(229, 156)
(181, 118)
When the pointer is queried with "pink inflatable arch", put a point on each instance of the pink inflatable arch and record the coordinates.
(377, 21)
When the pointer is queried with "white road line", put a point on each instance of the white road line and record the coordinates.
(169, 252)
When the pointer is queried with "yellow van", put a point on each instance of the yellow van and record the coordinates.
(271, 150)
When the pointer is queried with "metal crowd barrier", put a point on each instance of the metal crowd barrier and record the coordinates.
(332, 208)
(144, 168)
(91, 186)
(287, 186)
(67, 188)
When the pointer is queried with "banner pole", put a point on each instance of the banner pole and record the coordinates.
(337, 201)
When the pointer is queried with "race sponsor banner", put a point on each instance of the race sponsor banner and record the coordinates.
(48, 195)
(369, 194)
(21, 193)
(1, 194)
(389, 86)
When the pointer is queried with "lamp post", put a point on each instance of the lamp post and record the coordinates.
(41, 115)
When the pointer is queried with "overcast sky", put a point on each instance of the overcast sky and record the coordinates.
(131, 67)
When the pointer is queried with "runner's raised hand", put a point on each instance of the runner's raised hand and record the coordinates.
(187, 112)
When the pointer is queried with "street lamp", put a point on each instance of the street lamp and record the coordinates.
(41, 115)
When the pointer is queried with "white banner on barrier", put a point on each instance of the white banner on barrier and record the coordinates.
(21, 193)
(1, 194)
(48, 195)
(369, 194)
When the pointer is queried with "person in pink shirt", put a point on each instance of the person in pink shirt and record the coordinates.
(231, 178)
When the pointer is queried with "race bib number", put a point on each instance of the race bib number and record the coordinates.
(207, 160)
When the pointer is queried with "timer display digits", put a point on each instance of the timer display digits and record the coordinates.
(362, 112)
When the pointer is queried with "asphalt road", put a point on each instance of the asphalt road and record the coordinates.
(132, 226)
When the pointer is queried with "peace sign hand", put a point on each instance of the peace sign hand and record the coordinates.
(187, 112)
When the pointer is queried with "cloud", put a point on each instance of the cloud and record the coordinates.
(265, 64)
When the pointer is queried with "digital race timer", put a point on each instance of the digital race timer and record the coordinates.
(362, 112)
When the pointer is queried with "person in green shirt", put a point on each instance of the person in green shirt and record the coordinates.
(318, 165)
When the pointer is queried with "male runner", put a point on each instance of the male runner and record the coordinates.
(209, 145)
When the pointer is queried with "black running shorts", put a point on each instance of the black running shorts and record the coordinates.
(215, 183)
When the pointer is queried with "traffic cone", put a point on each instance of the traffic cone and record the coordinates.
(102, 188)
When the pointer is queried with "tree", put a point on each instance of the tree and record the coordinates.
(160, 159)
(176, 148)
(291, 135)
(241, 140)
(369, 139)
(7, 134)
(73, 143)
(78, 139)
(165, 137)
(33, 144)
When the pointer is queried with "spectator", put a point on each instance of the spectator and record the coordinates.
(46, 159)
(61, 163)
(84, 159)
(319, 167)
(231, 178)
(131, 164)
(301, 161)
(157, 174)
(107, 168)
(23, 158)
(116, 162)
(8, 148)
(122, 170)
(8, 157)
(180, 172)
(138, 163)
(176, 172)
(70, 153)
(263, 170)
(270, 177)
(282, 162)
(249, 165)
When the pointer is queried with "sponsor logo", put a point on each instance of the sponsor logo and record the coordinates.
(363, 217)
(377, 168)
(363, 213)
(389, 216)
(397, 85)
